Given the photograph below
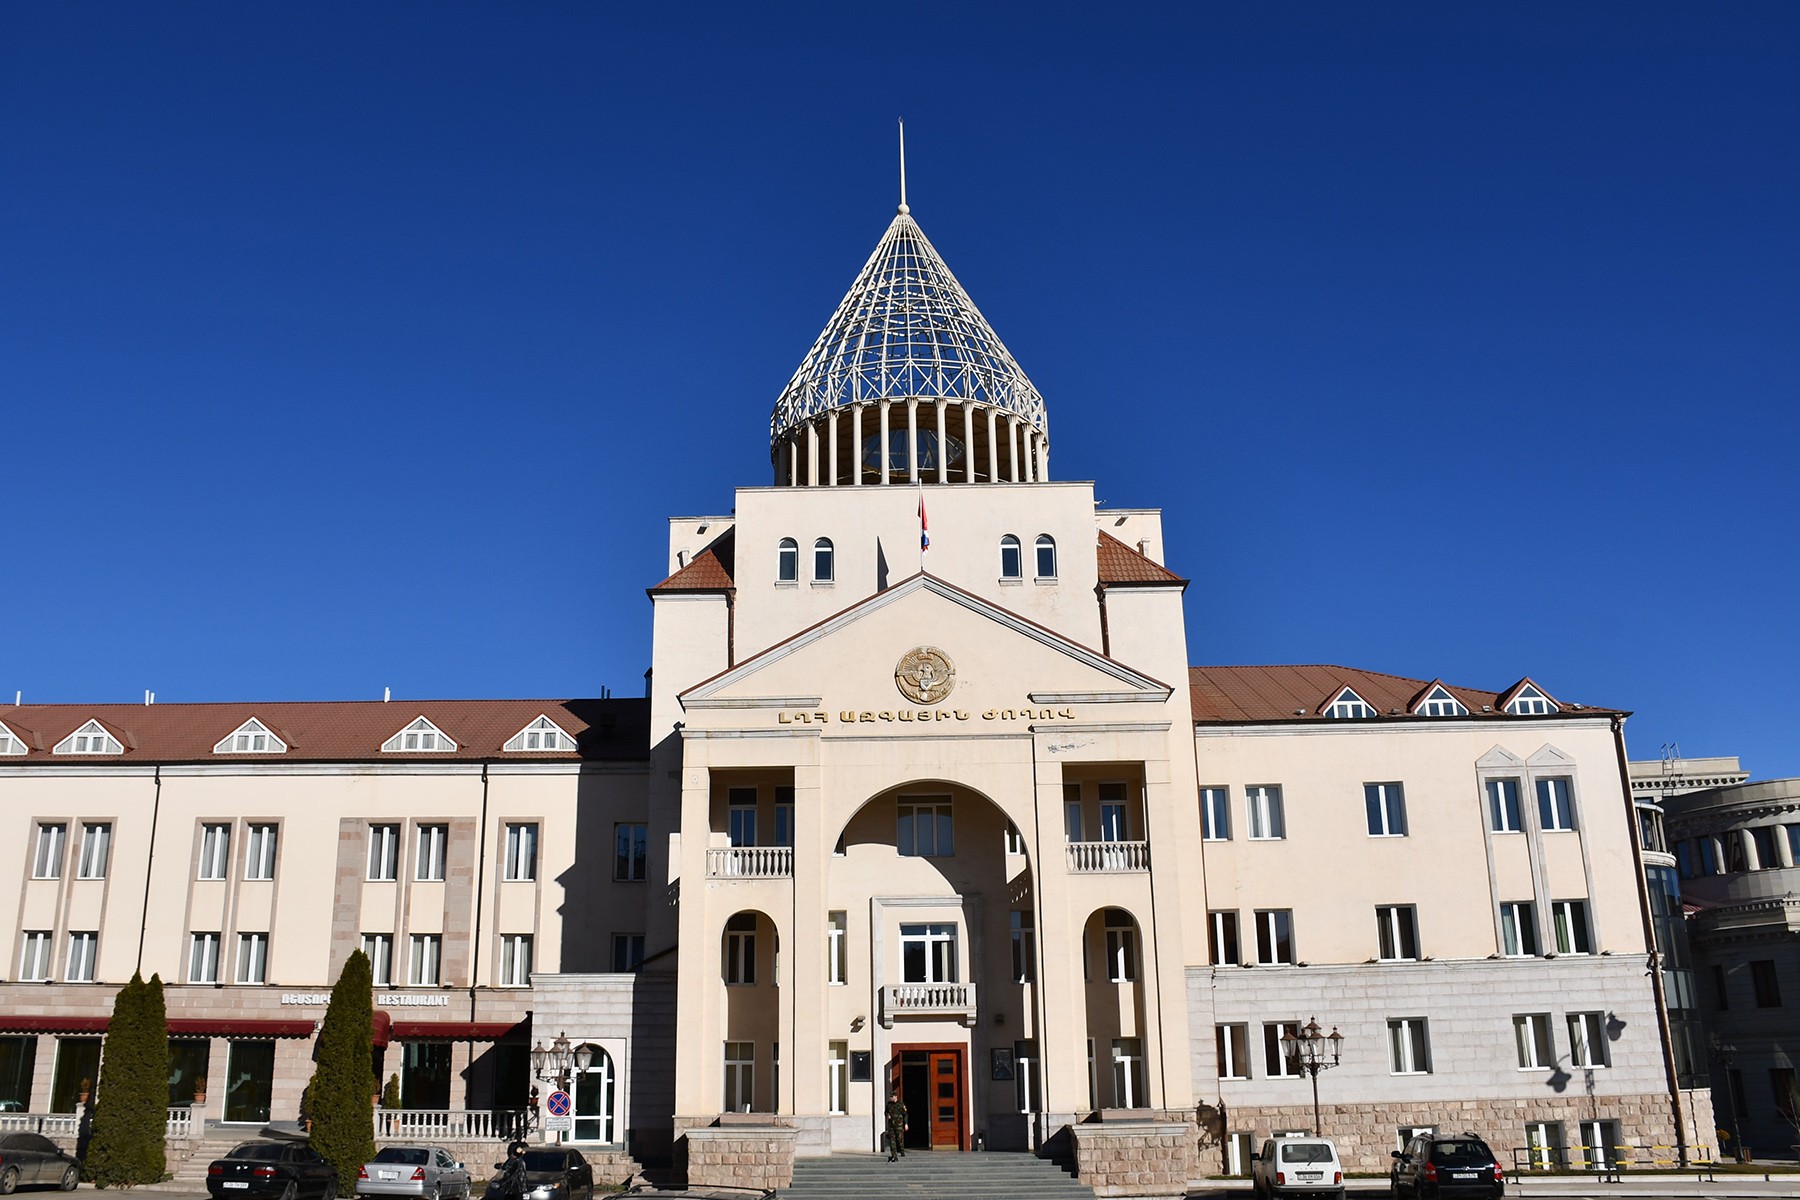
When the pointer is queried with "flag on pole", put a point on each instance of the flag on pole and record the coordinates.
(924, 526)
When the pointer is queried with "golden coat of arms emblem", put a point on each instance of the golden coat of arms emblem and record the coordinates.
(925, 675)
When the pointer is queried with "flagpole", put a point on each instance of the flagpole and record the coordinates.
(924, 533)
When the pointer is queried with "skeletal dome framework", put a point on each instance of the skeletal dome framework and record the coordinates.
(907, 362)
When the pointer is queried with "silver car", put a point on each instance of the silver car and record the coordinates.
(426, 1172)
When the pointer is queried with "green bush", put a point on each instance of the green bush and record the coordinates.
(340, 1098)
(390, 1095)
(132, 1113)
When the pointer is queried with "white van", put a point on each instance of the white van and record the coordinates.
(1297, 1166)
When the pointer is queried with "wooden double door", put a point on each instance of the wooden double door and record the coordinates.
(933, 1082)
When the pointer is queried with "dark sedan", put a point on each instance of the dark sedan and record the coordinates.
(288, 1170)
(553, 1173)
(28, 1158)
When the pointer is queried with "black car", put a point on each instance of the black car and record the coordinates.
(1443, 1164)
(553, 1173)
(288, 1170)
(28, 1158)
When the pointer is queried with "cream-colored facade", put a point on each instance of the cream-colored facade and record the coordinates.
(962, 822)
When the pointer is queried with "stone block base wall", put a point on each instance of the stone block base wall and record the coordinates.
(1366, 1133)
(1137, 1158)
(725, 1157)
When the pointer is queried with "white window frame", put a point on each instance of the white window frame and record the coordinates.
(425, 960)
(1574, 932)
(203, 957)
(253, 958)
(627, 952)
(261, 840)
(824, 561)
(1506, 813)
(1128, 1072)
(740, 950)
(1277, 1065)
(837, 947)
(1122, 964)
(47, 859)
(740, 1076)
(1409, 1046)
(1044, 555)
(431, 843)
(1348, 706)
(1530, 702)
(96, 850)
(384, 852)
(787, 561)
(1397, 933)
(1024, 945)
(1440, 703)
(1384, 805)
(1518, 929)
(1264, 819)
(11, 744)
(421, 736)
(939, 952)
(378, 948)
(540, 736)
(521, 852)
(34, 955)
(252, 737)
(1556, 803)
(837, 1078)
(1232, 1044)
(215, 851)
(1012, 558)
(1269, 922)
(515, 960)
(1587, 1040)
(921, 824)
(1533, 1042)
(1215, 814)
(84, 950)
(91, 738)
(631, 851)
(1223, 935)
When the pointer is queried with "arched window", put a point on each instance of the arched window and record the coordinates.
(594, 1098)
(822, 561)
(787, 561)
(1046, 556)
(1012, 563)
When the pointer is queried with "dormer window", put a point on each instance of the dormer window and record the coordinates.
(91, 738)
(252, 737)
(1012, 558)
(787, 561)
(823, 561)
(541, 734)
(1348, 706)
(421, 737)
(1046, 556)
(1440, 703)
(1530, 702)
(11, 743)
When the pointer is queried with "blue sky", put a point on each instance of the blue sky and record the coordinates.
(346, 347)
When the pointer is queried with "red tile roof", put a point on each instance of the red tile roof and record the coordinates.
(1224, 695)
(333, 730)
(709, 571)
(1120, 563)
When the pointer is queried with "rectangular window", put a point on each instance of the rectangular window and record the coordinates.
(740, 1076)
(837, 1077)
(425, 962)
(1234, 1050)
(1222, 938)
(1012, 841)
(1556, 805)
(1531, 1037)
(1544, 1145)
(47, 862)
(259, 852)
(631, 851)
(740, 949)
(515, 960)
(1024, 946)
(1503, 806)
(83, 947)
(34, 956)
(521, 852)
(384, 852)
(1027, 1084)
(784, 817)
(1262, 810)
(215, 851)
(1386, 808)
(379, 949)
(1274, 936)
(925, 829)
(1128, 1072)
(1587, 1040)
(253, 958)
(1121, 950)
(1113, 827)
(928, 953)
(627, 951)
(1518, 929)
(96, 850)
(428, 865)
(1570, 919)
(1396, 930)
(203, 958)
(1277, 1065)
(1768, 987)
(1721, 997)
(1215, 814)
(837, 947)
(740, 816)
(1072, 812)
(1409, 1051)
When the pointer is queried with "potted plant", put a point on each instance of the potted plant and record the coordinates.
(199, 1089)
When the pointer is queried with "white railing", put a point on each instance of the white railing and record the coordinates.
(1098, 858)
(51, 1125)
(448, 1124)
(751, 862)
(927, 1000)
(181, 1122)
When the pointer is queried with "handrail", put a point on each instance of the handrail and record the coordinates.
(1099, 858)
(751, 862)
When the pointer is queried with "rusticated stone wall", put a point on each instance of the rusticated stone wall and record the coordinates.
(738, 1157)
(1138, 1157)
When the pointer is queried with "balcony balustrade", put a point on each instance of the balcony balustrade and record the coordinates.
(928, 1000)
(450, 1124)
(751, 862)
(1107, 858)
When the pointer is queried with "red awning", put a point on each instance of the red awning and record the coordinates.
(178, 1026)
(380, 1025)
(15, 1023)
(459, 1031)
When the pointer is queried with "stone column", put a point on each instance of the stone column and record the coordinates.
(912, 440)
(832, 454)
(993, 448)
(943, 447)
(968, 442)
(812, 455)
(856, 439)
(881, 456)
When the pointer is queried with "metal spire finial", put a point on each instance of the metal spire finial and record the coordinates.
(903, 207)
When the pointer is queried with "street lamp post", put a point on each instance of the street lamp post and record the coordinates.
(1315, 1052)
(560, 1062)
(1726, 1054)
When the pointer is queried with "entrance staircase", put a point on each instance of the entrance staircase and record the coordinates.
(923, 1175)
(189, 1174)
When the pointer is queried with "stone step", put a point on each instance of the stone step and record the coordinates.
(927, 1176)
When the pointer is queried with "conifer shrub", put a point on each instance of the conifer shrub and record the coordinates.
(132, 1110)
(340, 1098)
